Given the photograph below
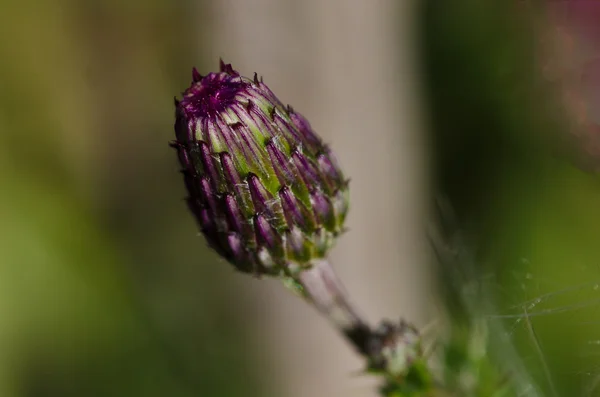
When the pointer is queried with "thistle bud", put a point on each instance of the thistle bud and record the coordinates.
(266, 192)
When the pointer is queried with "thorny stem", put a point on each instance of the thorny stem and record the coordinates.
(391, 349)
(321, 286)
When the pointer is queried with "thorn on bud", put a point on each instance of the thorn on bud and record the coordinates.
(196, 76)
(255, 78)
(227, 68)
(249, 105)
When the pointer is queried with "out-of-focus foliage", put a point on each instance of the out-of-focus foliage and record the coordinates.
(103, 289)
(505, 163)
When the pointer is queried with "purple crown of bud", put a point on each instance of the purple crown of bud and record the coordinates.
(266, 192)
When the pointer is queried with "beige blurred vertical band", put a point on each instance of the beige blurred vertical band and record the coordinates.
(349, 67)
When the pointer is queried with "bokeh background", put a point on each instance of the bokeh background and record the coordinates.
(106, 288)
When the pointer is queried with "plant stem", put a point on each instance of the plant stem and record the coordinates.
(321, 286)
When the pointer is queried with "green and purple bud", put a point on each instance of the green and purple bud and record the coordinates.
(270, 198)
(266, 192)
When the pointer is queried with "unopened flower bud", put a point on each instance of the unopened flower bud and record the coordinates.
(266, 192)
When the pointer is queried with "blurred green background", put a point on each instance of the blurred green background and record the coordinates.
(105, 287)
(519, 170)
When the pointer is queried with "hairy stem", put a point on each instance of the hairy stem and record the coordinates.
(321, 286)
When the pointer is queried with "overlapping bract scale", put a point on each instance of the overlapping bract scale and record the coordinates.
(266, 192)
